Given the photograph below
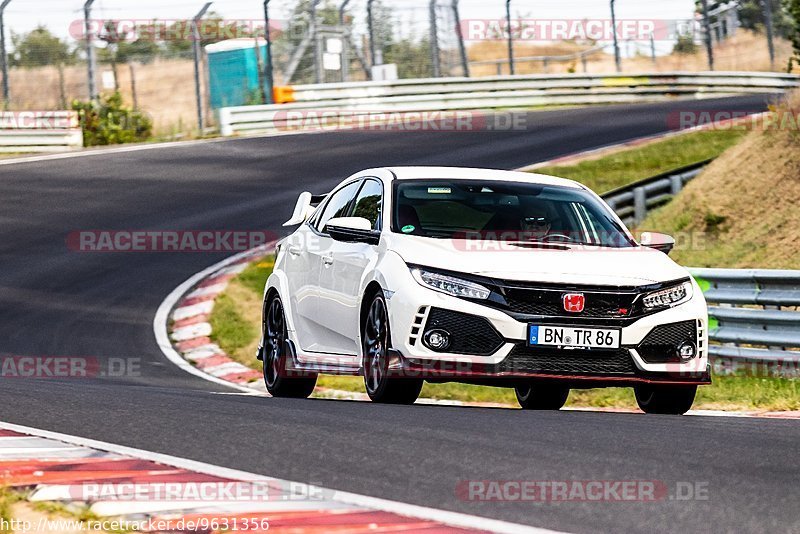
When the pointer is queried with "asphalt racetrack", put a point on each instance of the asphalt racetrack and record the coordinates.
(55, 301)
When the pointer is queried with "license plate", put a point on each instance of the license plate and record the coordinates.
(567, 336)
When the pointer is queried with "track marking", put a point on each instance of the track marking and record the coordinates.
(374, 503)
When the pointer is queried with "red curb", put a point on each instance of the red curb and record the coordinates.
(242, 378)
(195, 300)
(184, 346)
(212, 361)
(190, 321)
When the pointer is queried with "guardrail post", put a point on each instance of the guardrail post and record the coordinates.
(434, 38)
(676, 184)
(639, 205)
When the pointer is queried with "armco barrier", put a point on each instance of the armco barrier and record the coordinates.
(633, 201)
(449, 94)
(763, 331)
(36, 131)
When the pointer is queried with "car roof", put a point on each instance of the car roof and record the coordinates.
(465, 173)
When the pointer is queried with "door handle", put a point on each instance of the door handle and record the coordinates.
(294, 251)
(327, 260)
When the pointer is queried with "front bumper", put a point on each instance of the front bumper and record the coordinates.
(505, 357)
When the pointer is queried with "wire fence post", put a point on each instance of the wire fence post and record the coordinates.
(770, 31)
(617, 58)
(434, 37)
(4, 54)
(90, 59)
(653, 48)
(196, 47)
(315, 41)
(510, 38)
(268, 79)
(371, 29)
(462, 50)
(709, 43)
(345, 51)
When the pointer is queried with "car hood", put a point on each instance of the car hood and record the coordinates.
(577, 265)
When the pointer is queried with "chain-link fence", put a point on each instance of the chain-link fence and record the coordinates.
(150, 60)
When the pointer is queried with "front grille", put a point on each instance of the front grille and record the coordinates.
(469, 334)
(524, 359)
(548, 303)
(660, 344)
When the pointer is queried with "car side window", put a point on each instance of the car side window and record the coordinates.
(338, 205)
(369, 203)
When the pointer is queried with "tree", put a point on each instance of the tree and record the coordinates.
(793, 10)
(751, 17)
(39, 47)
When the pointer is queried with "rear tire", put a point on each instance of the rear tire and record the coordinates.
(277, 350)
(541, 396)
(674, 400)
(375, 343)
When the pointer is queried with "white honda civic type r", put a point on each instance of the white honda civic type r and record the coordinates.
(509, 279)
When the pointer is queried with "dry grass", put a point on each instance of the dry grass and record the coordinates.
(746, 51)
(742, 210)
(164, 89)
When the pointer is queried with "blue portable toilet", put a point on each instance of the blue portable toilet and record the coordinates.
(234, 68)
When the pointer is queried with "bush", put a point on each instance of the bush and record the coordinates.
(110, 122)
(685, 44)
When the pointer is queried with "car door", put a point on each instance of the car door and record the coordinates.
(340, 278)
(306, 255)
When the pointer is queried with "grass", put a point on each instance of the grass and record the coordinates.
(621, 168)
(8, 498)
(740, 212)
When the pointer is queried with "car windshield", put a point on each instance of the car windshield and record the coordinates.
(504, 211)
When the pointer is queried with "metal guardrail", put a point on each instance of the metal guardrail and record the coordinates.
(51, 131)
(450, 94)
(633, 201)
(762, 331)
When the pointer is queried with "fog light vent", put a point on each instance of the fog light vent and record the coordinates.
(687, 351)
(437, 339)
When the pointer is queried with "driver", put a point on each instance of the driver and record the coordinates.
(536, 225)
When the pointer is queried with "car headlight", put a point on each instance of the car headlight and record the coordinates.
(450, 284)
(666, 298)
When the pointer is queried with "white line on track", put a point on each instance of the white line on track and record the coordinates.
(161, 320)
(410, 510)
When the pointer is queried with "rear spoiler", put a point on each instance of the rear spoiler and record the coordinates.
(306, 203)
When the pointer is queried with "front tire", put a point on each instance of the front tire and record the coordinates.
(673, 400)
(276, 352)
(375, 343)
(541, 396)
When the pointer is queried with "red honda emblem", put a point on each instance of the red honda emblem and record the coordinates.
(573, 302)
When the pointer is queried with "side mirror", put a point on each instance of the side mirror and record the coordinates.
(352, 230)
(663, 242)
(302, 210)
